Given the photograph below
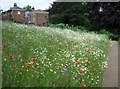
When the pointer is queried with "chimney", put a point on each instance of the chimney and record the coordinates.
(15, 4)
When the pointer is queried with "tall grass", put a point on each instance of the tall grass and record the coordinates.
(52, 57)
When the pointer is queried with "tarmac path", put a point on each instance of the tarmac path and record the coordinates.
(111, 73)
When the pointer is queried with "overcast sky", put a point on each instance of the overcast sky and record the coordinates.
(37, 4)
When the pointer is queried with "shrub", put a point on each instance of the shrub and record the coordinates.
(111, 36)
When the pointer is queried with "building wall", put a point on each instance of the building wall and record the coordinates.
(4, 17)
(33, 18)
(18, 16)
(40, 19)
(7, 16)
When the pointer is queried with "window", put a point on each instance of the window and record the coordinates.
(46, 17)
(33, 18)
(43, 24)
(18, 13)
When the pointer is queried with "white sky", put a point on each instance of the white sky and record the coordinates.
(37, 4)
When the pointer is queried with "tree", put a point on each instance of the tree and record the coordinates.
(108, 18)
(69, 13)
(95, 15)
(28, 8)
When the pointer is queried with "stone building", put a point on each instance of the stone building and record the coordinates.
(15, 14)
(39, 17)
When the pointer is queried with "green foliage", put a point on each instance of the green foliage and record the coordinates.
(87, 14)
(72, 19)
(28, 8)
(55, 19)
(69, 13)
(71, 27)
(84, 29)
(109, 34)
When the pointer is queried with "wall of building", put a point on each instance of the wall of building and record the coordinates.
(18, 16)
(37, 18)
(33, 18)
(7, 16)
(40, 19)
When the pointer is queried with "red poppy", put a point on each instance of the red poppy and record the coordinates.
(21, 74)
(2, 52)
(14, 65)
(6, 44)
(27, 66)
(11, 55)
(82, 85)
(10, 36)
(88, 63)
(80, 72)
(88, 51)
(67, 78)
(12, 58)
(34, 59)
(23, 88)
(28, 60)
(78, 62)
(18, 59)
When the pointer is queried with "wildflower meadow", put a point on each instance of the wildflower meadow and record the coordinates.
(35, 56)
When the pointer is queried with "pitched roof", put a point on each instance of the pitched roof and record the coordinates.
(39, 11)
(16, 8)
